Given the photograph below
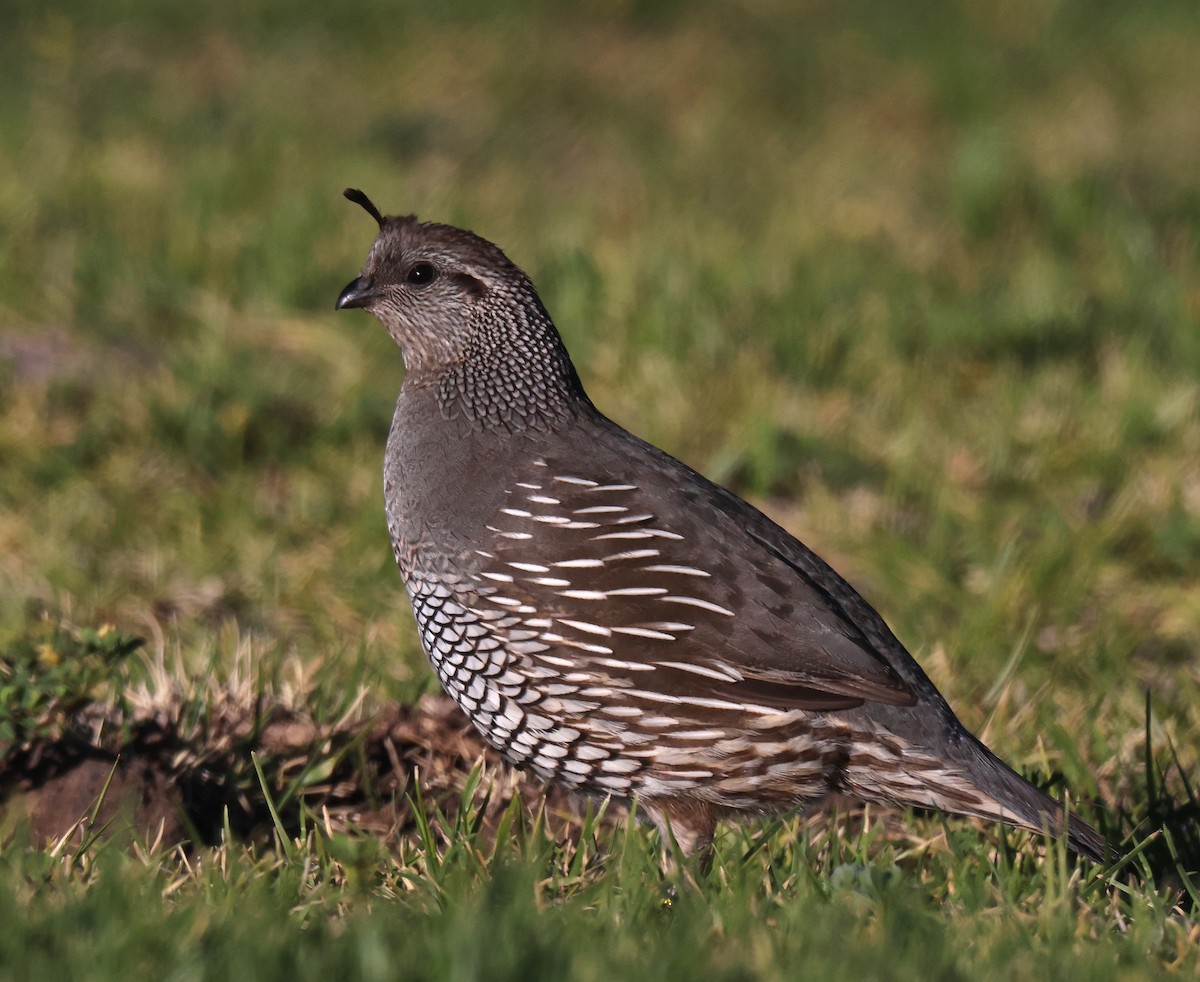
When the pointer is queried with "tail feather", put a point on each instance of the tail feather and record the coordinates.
(1016, 802)
(966, 778)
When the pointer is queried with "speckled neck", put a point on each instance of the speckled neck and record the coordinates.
(515, 374)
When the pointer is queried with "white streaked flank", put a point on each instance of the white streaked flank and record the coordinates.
(695, 669)
(697, 602)
(584, 626)
(682, 570)
(530, 567)
(644, 632)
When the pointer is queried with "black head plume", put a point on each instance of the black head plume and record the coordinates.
(357, 196)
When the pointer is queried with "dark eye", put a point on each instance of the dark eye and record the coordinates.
(421, 274)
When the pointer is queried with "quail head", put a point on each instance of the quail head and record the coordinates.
(612, 620)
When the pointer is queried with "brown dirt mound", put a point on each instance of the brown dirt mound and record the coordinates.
(158, 788)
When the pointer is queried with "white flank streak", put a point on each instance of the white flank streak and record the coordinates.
(697, 602)
(484, 554)
(498, 577)
(517, 535)
(530, 567)
(549, 581)
(644, 632)
(551, 519)
(517, 513)
(612, 487)
(542, 499)
(583, 594)
(604, 632)
(634, 554)
(539, 622)
(626, 665)
(630, 519)
(581, 525)
(505, 601)
(575, 480)
(699, 735)
(580, 563)
(672, 626)
(639, 534)
(539, 463)
(684, 570)
(554, 659)
(698, 701)
(700, 670)
(529, 487)
(599, 510)
(637, 591)
(598, 649)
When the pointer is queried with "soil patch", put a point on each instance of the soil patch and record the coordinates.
(160, 788)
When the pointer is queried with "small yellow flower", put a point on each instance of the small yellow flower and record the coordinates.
(48, 656)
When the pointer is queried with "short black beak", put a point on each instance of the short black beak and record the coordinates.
(358, 293)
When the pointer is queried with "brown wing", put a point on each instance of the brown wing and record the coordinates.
(638, 580)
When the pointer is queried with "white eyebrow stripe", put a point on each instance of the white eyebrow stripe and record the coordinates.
(697, 602)
(684, 570)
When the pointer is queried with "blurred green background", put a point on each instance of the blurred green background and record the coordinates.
(920, 279)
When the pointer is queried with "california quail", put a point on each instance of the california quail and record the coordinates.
(610, 619)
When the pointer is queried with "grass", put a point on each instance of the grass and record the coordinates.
(923, 284)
